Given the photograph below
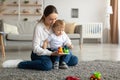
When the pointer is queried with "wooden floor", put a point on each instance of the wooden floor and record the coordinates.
(87, 53)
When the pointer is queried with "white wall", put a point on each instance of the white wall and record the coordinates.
(89, 10)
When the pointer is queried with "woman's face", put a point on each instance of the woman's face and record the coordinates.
(50, 20)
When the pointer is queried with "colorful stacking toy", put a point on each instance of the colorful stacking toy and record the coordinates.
(63, 50)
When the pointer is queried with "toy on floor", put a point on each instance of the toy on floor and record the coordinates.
(63, 50)
(72, 78)
(96, 76)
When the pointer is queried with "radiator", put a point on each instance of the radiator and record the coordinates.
(92, 31)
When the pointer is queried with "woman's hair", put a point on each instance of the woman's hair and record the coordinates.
(47, 11)
(58, 23)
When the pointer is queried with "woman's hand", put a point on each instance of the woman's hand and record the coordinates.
(55, 53)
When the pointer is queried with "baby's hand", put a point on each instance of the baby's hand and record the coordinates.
(71, 46)
(45, 44)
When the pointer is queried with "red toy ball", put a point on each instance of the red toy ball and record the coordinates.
(72, 78)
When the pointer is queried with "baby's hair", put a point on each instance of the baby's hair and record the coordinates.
(58, 23)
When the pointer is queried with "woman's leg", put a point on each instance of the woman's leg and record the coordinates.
(54, 58)
(38, 62)
(72, 61)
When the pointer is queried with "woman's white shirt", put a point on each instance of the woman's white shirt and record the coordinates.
(40, 34)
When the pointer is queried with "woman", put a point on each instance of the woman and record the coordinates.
(41, 58)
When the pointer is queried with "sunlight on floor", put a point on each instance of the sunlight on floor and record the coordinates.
(87, 53)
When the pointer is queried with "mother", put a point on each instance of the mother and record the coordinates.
(41, 58)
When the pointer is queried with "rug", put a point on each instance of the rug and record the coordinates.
(110, 70)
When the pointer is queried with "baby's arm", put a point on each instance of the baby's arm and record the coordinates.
(45, 43)
(68, 42)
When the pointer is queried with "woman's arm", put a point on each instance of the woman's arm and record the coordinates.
(38, 37)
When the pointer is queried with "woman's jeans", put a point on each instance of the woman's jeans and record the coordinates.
(45, 62)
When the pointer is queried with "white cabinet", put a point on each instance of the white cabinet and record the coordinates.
(23, 9)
